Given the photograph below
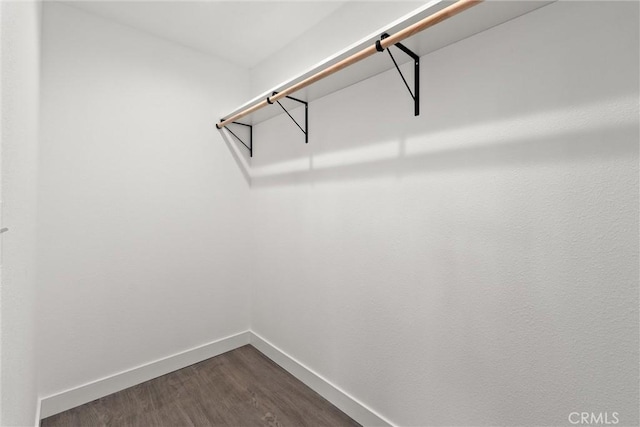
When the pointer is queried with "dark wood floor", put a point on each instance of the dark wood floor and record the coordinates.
(238, 388)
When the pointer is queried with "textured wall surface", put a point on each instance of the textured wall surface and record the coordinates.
(140, 202)
(20, 60)
(477, 265)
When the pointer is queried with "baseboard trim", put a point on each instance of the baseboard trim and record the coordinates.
(341, 399)
(77, 396)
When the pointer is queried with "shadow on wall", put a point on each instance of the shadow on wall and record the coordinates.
(240, 159)
(509, 95)
(404, 146)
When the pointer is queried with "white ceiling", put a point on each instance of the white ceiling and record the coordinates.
(242, 32)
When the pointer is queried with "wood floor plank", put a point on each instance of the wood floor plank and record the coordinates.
(239, 388)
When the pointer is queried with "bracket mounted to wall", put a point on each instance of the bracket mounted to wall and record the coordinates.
(305, 131)
(415, 94)
(342, 61)
(248, 147)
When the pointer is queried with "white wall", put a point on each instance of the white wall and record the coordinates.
(477, 265)
(141, 205)
(349, 24)
(19, 59)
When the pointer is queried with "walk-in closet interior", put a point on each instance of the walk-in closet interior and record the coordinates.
(303, 213)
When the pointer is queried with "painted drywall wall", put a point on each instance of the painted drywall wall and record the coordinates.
(19, 59)
(478, 264)
(349, 24)
(141, 206)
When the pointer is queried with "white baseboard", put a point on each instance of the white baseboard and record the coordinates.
(77, 396)
(341, 399)
(68, 399)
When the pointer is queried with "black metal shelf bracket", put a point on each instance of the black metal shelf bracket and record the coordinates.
(248, 147)
(415, 94)
(305, 131)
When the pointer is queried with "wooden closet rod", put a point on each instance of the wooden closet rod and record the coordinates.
(429, 21)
